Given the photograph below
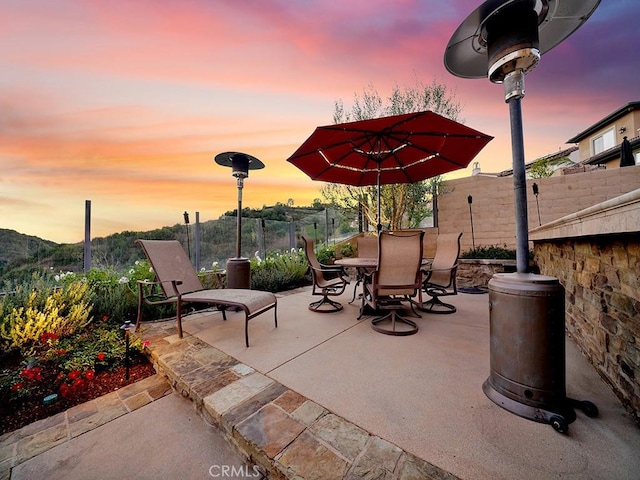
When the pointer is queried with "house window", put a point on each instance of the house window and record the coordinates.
(603, 142)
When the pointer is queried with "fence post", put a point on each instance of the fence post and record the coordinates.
(87, 235)
(260, 233)
(292, 235)
(326, 226)
(197, 241)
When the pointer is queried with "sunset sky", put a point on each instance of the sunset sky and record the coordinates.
(125, 103)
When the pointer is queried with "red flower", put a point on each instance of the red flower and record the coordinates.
(61, 351)
(100, 357)
(64, 390)
(79, 384)
(89, 375)
(17, 386)
(46, 336)
(32, 374)
(60, 377)
(105, 317)
(74, 374)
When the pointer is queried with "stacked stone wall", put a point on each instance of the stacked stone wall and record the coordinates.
(600, 276)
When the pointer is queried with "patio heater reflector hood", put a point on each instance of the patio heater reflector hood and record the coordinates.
(485, 37)
(504, 39)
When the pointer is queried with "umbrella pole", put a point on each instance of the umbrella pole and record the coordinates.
(379, 226)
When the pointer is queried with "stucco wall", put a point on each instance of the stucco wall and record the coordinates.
(493, 205)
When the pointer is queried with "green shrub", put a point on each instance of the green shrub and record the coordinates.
(279, 271)
(326, 254)
(346, 250)
(492, 252)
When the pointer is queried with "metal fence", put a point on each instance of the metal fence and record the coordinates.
(215, 241)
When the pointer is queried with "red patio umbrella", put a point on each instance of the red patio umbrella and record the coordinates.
(403, 148)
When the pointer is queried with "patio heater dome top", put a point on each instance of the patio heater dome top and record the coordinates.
(240, 163)
(501, 36)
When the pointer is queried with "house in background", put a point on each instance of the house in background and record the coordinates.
(599, 145)
(556, 162)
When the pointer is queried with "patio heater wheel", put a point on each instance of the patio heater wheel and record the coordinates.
(559, 424)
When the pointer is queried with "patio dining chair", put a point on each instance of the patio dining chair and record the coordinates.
(177, 282)
(439, 280)
(396, 280)
(328, 280)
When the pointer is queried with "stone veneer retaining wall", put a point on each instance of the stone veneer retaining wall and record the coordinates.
(595, 253)
(477, 273)
(602, 315)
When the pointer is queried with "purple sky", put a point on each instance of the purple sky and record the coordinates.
(126, 103)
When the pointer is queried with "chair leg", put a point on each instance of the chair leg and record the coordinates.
(332, 306)
(395, 318)
(179, 316)
(435, 305)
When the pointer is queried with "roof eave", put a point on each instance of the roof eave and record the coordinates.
(629, 107)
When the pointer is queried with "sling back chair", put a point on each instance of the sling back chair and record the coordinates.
(439, 280)
(396, 280)
(177, 282)
(328, 280)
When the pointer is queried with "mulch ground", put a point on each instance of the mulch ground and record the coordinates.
(28, 410)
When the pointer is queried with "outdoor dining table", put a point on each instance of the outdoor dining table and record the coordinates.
(364, 265)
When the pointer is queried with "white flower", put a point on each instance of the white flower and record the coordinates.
(203, 269)
(123, 280)
(57, 277)
(131, 271)
(137, 262)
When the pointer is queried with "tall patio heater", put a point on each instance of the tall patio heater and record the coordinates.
(504, 39)
(239, 268)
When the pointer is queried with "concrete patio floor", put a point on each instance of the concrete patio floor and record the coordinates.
(323, 396)
(423, 392)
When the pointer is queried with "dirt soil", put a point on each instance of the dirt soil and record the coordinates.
(31, 409)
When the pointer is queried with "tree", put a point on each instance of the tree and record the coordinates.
(404, 205)
(540, 169)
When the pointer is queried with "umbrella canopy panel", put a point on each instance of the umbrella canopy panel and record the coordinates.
(403, 148)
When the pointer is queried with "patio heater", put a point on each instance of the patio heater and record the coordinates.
(238, 268)
(504, 39)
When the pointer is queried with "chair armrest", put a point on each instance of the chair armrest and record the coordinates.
(335, 269)
(152, 295)
(449, 269)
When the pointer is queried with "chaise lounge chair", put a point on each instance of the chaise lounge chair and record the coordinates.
(177, 282)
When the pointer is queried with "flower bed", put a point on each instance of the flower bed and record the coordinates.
(57, 372)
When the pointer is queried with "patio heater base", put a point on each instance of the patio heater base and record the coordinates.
(527, 322)
(238, 273)
(559, 416)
